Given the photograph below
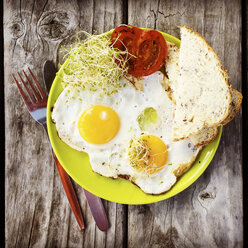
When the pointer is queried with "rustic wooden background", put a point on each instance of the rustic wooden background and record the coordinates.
(207, 214)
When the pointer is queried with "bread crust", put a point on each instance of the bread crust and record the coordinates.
(172, 50)
(235, 107)
(167, 88)
(205, 142)
(224, 72)
(225, 75)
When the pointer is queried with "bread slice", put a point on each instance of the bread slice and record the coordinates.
(207, 134)
(236, 105)
(172, 68)
(202, 95)
(167, 86)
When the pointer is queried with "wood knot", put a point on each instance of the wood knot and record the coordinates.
(16, 29)
(56, 25)
(206, 195)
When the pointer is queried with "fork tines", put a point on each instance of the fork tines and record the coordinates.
(35, 92)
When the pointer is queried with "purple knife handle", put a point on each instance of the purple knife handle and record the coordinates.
(97, 210)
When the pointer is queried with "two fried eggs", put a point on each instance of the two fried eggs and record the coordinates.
(126, 134)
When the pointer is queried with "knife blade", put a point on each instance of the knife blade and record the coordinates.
(95, 203)
(49, 73)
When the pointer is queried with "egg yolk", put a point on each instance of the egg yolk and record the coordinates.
(151, 152)
(98, 124)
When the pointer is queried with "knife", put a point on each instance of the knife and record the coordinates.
(94, 202)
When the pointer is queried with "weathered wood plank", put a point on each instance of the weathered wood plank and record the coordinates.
(209, 213)
(37, 210)
(245, 110)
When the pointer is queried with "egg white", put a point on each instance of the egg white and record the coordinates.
(111, 159)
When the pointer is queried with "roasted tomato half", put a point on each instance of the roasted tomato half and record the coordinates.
(148, 48)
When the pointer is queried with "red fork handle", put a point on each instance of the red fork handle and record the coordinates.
(69, 190)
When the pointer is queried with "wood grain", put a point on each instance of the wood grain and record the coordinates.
(207, 214)
(37, 210)
(245, 110)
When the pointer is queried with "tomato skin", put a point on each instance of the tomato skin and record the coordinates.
(148, 47)
(125, 37)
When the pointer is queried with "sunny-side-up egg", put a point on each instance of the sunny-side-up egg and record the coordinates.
(128, 133)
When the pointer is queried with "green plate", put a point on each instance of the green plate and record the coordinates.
(117, 190)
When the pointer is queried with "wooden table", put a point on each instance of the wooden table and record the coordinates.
(207, 214)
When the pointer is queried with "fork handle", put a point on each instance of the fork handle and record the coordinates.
(68, 187)
(69, 190)
(94, 202)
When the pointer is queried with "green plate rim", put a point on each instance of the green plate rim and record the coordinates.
(200, 165)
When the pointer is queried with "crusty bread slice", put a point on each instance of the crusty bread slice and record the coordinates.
(207, 134)
(236, 105)
(172, 68)
(203, 97)
(167, 86)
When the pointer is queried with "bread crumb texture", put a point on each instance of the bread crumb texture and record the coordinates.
(202, 94)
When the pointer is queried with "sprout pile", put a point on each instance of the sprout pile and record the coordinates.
(94, 65)
(139, 153)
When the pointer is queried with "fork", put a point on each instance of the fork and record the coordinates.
(36, 102)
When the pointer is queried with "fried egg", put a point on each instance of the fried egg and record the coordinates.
(126, 134)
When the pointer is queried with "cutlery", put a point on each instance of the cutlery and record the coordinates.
(36, 102)
(94, 202)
